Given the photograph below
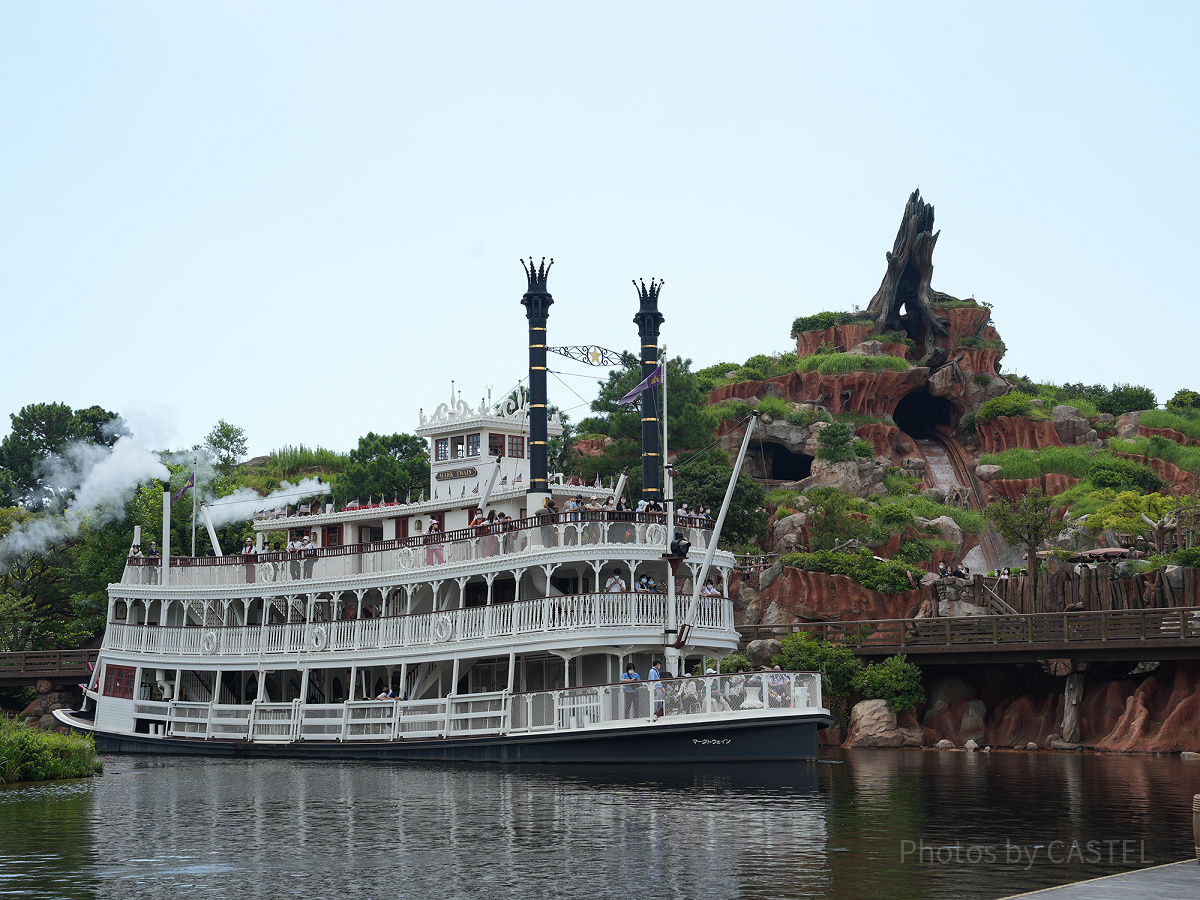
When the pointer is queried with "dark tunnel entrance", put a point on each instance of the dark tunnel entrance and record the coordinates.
(784, 465)
(917, 414)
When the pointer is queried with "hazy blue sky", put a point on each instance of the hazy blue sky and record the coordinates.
(306, 218)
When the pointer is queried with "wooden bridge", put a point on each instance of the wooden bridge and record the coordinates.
(1124, 634)
(54, 665)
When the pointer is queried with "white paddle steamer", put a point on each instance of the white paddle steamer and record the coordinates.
(500, 642)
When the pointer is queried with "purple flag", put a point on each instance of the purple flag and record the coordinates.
(654, 379)
(178, 495)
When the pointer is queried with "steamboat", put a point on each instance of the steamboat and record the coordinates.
(409, 630)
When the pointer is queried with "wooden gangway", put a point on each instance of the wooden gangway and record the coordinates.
(54, 665)
(1124, 634)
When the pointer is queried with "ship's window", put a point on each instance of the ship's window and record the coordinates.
(119, 681)
(495, 445)
(516, 446)
(472, 445)
(441, 449)
(120, 611)
(333, 536)
(456, 447)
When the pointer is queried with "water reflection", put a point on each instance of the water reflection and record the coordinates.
(155, 827)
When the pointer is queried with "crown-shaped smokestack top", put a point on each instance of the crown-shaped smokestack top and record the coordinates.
(536, 275)
(648, 295)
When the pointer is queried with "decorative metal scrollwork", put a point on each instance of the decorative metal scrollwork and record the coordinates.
(590, 354)
(208, 643)
(656, 535)
(319, 640)
(443, 627)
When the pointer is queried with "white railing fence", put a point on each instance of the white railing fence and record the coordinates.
(455, 627)
(694, 698)
(411, 554)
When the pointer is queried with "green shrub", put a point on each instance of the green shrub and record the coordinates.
(970, 342)
(969, 520)
(731, 662)
(842, 363)
(802, 418)
(1189, 557)
(894, 517)
(898, 484)
(1015, 403)
(954, 303)
(863, 449)
(982, 379)
(823, 320)
(1123, 475)
(30, 755)
(895, 680)
(837, 664)
(834, 440)
(885, 576)
(773, 407)
(731, 410)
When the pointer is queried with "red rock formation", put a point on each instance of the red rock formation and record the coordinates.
(884, 438)
(1012, 489)
(1169, 433)
(1012, 432)
(835, 597)
(844, 336)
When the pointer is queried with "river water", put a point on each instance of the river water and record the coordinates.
(858, 824)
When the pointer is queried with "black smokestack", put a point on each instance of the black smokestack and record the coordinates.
(537, 302)
(648, 320)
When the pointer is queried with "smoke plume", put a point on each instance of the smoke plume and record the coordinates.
(102, 480)
(241, 505)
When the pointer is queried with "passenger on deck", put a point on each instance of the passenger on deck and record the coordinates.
(310, 555)
(631, 692)
(709, 589)
(615, 583)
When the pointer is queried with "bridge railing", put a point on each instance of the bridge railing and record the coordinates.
(27, 666)
(1098, 626)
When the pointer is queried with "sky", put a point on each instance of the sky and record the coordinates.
(306, 218)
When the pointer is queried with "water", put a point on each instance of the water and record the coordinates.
(852, 826)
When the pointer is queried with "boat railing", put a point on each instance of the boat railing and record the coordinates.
(693, 698)
(432, 630)
(586, 528)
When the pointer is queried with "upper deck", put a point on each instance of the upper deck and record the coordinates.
(592, 538)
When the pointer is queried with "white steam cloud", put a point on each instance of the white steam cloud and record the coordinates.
(241, 505)
(102, 480)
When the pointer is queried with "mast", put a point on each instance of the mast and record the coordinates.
(648, 321)
(537, 301)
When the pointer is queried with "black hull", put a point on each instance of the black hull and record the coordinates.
(775, 739)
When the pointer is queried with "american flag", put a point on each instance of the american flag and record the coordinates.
(435, 490)
(475, 490)
(517, 480)
(464, 492)
(408, 499)
(504, 480)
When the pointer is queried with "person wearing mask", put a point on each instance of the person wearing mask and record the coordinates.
(631, 693)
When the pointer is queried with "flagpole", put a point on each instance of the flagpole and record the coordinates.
(194, 506)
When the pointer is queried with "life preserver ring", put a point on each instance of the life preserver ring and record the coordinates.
(443, 627)
(655, 534)
(266, 571)
(208, 643)
(405, 558)
(319, 639)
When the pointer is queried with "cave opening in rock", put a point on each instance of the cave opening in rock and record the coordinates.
(784, 465)
(917, 414)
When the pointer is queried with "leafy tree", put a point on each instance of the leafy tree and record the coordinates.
(839, 668)
(834, 517)
(1123, 513)
(227, 444)
(1125, 398)
(703, 482)
(40, 438)
(1184, 401)
(1030, 521)
(835, 440)
(384, 465)
(36, 612)
(895, 680)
